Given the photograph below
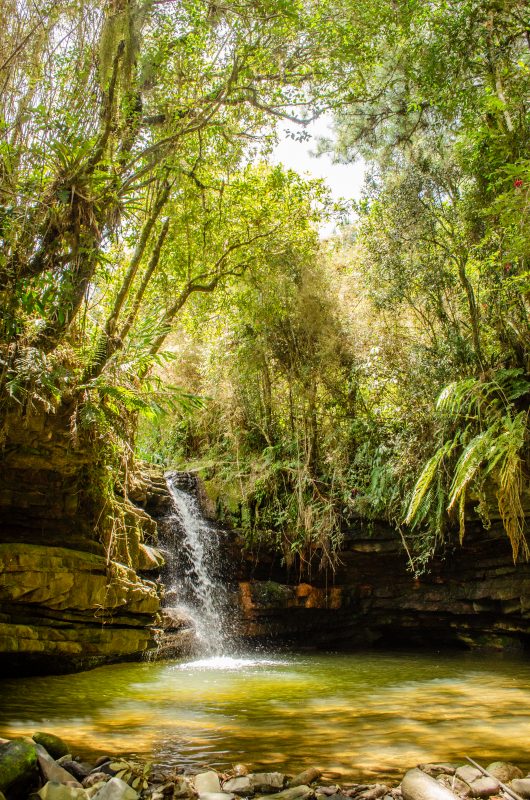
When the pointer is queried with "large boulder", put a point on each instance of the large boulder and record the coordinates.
(18, 768)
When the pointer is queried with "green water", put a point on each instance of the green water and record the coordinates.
(352, 715)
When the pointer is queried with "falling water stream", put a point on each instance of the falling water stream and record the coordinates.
(201, 594)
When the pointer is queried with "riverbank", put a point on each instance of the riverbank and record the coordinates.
(43, 768)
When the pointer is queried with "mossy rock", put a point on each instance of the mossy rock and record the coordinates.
(55, 746)
(18, 768)
(270, 593)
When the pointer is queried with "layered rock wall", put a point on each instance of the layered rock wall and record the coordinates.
(76, 574)
(474, 596)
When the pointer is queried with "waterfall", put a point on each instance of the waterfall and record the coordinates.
(195, 571)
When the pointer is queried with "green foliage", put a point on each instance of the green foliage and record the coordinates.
(490, 439)
(146, 245)
(134, 773)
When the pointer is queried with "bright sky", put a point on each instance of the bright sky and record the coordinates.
(344, 180)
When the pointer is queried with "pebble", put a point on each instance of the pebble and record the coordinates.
(67, 778)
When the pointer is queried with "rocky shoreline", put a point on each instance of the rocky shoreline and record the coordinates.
(43, 768)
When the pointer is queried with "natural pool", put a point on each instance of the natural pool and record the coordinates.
(353, 715)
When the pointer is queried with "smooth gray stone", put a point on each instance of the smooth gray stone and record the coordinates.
(51, 769)
(416, 785)
(207, 782)
(241, 785)
(468, 773)
(485, 787)
(217, 796)
(521, 786)
(267, 781)
(116, 789)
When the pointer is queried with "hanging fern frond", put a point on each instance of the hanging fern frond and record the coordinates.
(486, 412)
(415, 512)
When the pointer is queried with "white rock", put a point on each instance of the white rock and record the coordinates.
(116, 789)
(416, 785)
(207, 782)
(55, 790)
(217, 796)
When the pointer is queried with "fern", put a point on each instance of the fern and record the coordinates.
(416, 511)
(486, 412)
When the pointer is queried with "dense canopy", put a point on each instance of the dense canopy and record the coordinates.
(165, 282)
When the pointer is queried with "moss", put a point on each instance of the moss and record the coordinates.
(18, 767)
(55, 746)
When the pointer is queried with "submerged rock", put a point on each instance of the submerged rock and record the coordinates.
(18, 767)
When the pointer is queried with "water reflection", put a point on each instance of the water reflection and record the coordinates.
(352, 715)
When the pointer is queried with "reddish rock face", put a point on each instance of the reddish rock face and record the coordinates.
(473, 596)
